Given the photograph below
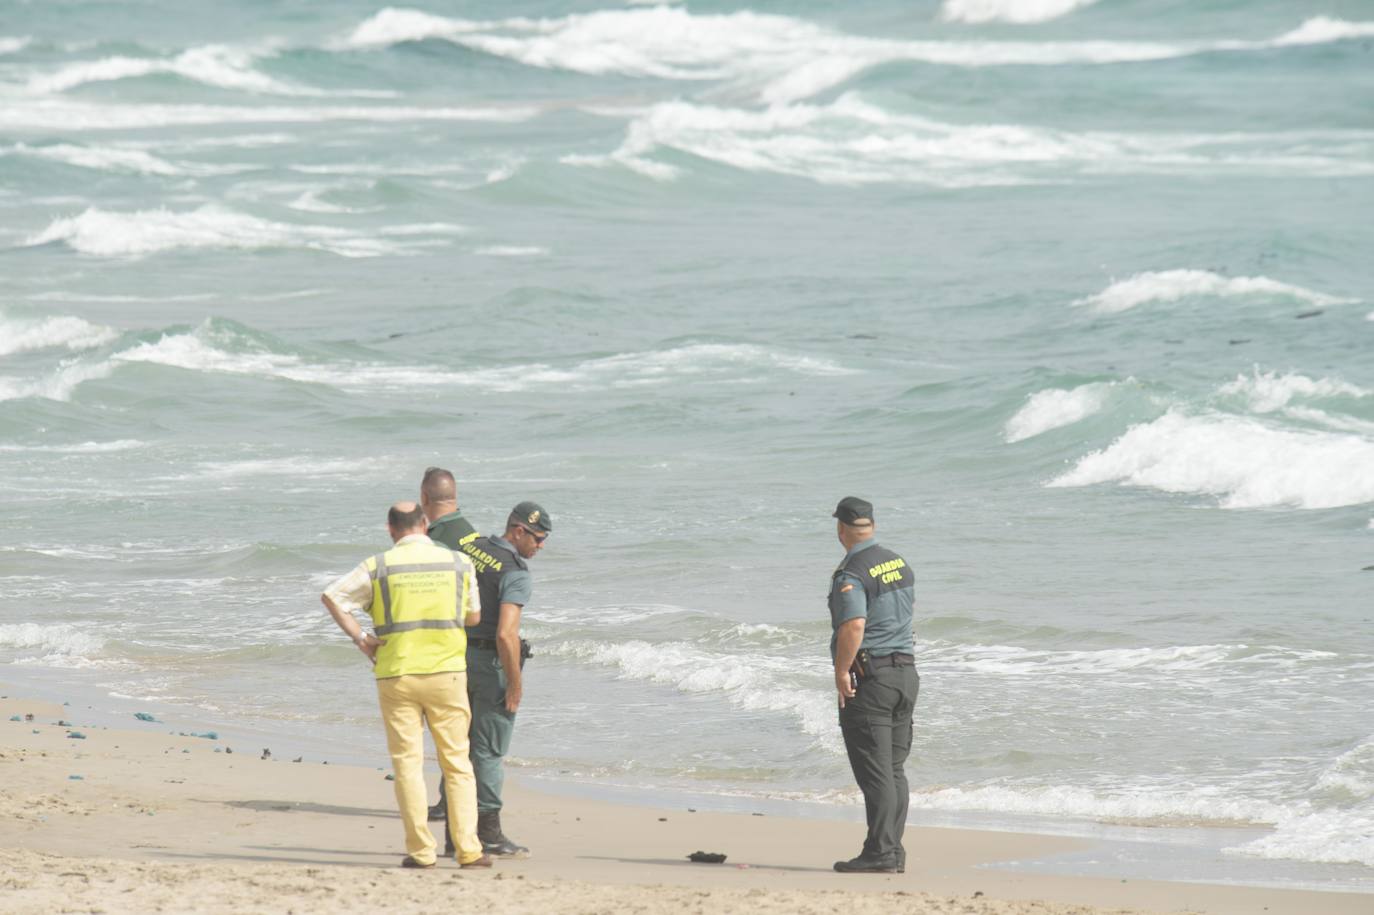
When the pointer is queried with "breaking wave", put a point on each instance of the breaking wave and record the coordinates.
(20, 335)
(1054, 408)
(1015, 11)
(1172, 285)
(1243, 462)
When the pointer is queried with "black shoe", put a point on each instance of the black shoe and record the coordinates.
(505, 848)
(901, 860)
(494, 841)
(438, 812)
(410, 862)
(862, 865)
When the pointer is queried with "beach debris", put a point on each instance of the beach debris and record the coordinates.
(208, 735)
(1367, 569)
(36, 731)
(63, 724)
(691, 810)
(16, 718)
(228, 749)
(219, 749)
(1309, 314)
(144, 716)
(390, 777)
(663, 819)
(977, 893)
(266, 753)
(298, 759)
(75, 735)
(28, 716)
(76, 778)
(706, 857)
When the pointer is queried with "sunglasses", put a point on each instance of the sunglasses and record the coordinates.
(538, 537)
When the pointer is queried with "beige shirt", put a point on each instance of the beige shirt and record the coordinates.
(353, 592)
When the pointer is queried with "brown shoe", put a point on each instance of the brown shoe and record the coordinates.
(409, 861)
(484, 861)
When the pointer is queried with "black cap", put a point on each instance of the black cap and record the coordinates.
(852, 510)
(530, 514)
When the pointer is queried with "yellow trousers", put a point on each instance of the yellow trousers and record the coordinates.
(441, 699)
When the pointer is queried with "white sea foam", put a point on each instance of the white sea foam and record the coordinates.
(512, 251)
(762, 684)
(1324, 30)
(58, 385)
(58, 639)
(109, 234)
(115, 159)
(851, 141)
(1054, 408)
(14, 45)
(20, 335)
(1332, 836)
(1172, 285)
(1173, 660)
(58, 295)
(69, 115)
(1245, 463)
(1145, 803)
(1267, 392)
(210, 349)
(1016, 11)
(214, 65)
(790, 58)
(123, 444)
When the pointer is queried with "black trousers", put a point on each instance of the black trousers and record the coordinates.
(876, 725)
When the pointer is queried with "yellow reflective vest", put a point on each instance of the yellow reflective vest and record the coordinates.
(420, 594)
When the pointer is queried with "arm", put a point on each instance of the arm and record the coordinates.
(472, 613)
(367, 643)
(508, 650)
(851, 636)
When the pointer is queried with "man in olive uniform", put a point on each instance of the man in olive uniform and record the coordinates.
(447, 526)
(419, 597)
(871, 597)
(495, 656)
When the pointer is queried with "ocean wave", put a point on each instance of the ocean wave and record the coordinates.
(851, 141)
(55, 640)
(1146, 803)
(123, 444)
(1268, 392)
(114, 159)
(1243, 462)
(222, 347)
(512, 251)
(1055, 408)
(789, 59)
(1015, 660)
(14, 45)
(21, 335)
(1014, 11)
(1172, 285)
(221, 66)
(58, 385)
(109, 234)
(756, 683)
(1329, 836)
(69, 115)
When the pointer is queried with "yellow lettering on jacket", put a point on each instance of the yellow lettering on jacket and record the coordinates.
(888, 571)
(481, 558)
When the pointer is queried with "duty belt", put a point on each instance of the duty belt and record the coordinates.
(893, 660)
(482, 643)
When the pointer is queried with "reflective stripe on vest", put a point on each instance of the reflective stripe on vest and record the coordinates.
(381, 573)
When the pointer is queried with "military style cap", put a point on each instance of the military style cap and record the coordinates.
(532, 515)
(852, 510)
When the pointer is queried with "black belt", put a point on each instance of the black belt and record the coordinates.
(893, 660)
(482, 643)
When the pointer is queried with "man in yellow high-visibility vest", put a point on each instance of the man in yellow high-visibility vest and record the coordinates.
(419, 596)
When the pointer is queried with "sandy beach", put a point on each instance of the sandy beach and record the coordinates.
(145, 820)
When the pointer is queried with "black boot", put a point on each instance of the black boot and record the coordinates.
(868, 865)
(494, 841)
(440, 810)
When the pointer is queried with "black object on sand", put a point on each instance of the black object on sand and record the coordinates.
(706, 857)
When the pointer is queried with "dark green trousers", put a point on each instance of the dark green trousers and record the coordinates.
(876, 725)
(492, 726)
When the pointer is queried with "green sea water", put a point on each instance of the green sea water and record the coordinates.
(1078, 294)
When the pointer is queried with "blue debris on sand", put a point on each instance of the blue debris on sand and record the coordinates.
(390, 777)
(75, 735)
(16, 718)
(144, 716)
(208, 735)
(76, 778)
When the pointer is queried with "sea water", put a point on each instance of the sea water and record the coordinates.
(1077, 293)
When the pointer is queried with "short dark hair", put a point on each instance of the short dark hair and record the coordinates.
(438, 486)
(405, 519)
